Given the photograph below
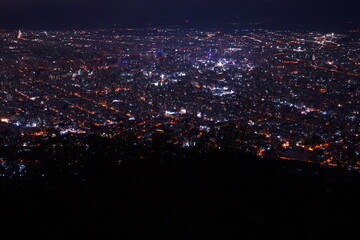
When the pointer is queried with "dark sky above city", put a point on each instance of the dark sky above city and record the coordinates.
(140, 12)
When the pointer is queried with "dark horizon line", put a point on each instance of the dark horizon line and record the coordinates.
(230, 25)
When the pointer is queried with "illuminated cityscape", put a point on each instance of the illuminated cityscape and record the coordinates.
(287, 95)
(179, 120)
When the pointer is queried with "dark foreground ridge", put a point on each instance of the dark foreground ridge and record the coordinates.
(128, 192)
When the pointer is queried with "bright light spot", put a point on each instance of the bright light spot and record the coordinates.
(5, 120)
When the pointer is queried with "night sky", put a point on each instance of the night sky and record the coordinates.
(92, 13)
